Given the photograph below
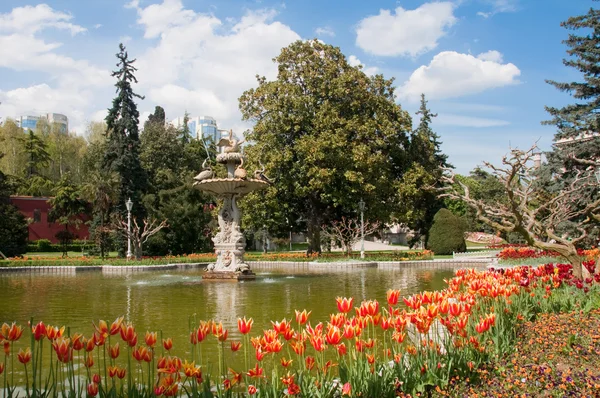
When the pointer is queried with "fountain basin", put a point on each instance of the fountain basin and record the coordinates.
(230, 186)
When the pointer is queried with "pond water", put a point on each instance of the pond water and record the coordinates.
(166, 300)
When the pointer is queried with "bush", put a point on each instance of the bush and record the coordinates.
(44, 245)
(447, 233)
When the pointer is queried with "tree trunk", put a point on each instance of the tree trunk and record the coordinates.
(569, 252)
(314, 237)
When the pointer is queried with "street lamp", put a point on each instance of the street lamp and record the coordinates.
(129, 205)
(361, 206)
(290, 228)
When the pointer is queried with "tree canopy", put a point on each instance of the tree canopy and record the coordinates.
(329, 135)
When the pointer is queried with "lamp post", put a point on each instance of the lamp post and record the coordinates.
(129, 205)
(290, 228)
(361, 206)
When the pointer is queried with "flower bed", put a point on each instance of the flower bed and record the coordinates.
(417, 344)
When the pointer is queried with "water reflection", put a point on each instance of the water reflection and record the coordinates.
(167, 300)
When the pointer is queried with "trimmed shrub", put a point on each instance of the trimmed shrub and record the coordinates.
(447, 234)
(44, 245)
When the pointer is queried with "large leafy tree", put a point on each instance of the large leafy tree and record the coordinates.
(328, 135)
(425, 164)
(67, 206)
(123, 141)
(35, 150)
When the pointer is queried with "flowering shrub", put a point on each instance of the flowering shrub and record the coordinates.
(524, 252)
(396, 347)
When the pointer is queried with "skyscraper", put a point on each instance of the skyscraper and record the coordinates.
(200, 126)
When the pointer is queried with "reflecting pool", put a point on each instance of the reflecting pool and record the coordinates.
(167, 300)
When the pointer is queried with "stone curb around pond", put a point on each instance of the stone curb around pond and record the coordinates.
(125, 269)
(105, 269)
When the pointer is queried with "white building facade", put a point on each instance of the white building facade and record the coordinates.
(200, 127)
(29, 122)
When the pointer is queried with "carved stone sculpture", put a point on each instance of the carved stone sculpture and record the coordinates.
(229, 241)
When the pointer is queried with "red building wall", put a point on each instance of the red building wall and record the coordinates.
(36, 210)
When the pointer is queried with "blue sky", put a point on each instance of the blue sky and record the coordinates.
(481, 63)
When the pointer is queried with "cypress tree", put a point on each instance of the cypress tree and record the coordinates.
(123, 140)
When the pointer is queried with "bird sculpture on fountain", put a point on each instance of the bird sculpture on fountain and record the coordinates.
(260, 174)
(206, 173)
(230, 144)
(240, 172)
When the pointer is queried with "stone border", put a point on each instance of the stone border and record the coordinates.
(126, 269)
(105, 269)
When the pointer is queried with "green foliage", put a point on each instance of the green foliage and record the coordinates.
(43, 245)
(123, 143)
(67, 206)
(13, 227)
(447, 233)
(328, 135)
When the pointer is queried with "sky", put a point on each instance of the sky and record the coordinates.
(482, 64)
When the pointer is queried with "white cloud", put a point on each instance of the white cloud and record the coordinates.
(451, 74)
(408, 32)
(30, 20)
(354, 61)
(158, 18)
(203, 67)
(98, 26)
(448, 119)
(499, 6)
(325, 31)
(492, 55)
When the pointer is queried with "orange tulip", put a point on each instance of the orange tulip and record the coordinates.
(140, 353)
(115, 327)
(344, 304)
(190, 369)
(235, 346)
(112, 371)
(348, 331)
(310, 362)
(150, 339)
(78, 341)
(12, 332)
(90, 344)
(219, 332)
(121, 373)
(333, 336)
(286, 362)
(62, 347)
(100, 339)
(281, 327)
(24, 356)
(245, 325)
(392, 296)
(299, 347)
(39, 331)
(341, 349)
(89, 360)
(454, 309)
(302, 317)
(256, 372)
(128, 334)
(102, 328)
(114, 351)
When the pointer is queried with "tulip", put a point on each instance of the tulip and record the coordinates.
(1, 367)
(92, 389)
(140, 353)
(90, 344)
(245, 325)
(338, 319)
(150, 339)
(344, 304)
(235, 346)
(121, 373)
(128, 334)
(310, 362)
(302, 317)
(251, 389)
(89, 360)
(201, 334)
(12, 332)
(392, 297)
(333, 336)
(259, 354)
(63, 349)
(236, 377)
(24, 356)
(341, 349)
(114, 351)
(285, 362)
(190, 369)
(256, 372)
(115, 327)
(39, 331)
(219, 332)
(348, 331)
(293, 389)
(78, 341)
(6, 345)
(347, 389)
(102, 328)
(112, 371)
(96, 378)
(281, 327)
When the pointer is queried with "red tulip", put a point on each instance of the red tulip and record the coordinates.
(245, 325)
(24, 356)
(333, 336)
(150, 339)
(285, 362)
(63, 349)
(92, 389)
(347, 389)
(115, 327)
(302, 317)
(392, 296)
(235, 346)
(255, 372)
(39, 331)
(251, 389)
(112, 371)
(344, 304)
(12, 332)
(114, 351)
(96, 378)
(168, 344)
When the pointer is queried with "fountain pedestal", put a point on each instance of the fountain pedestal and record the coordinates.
(229, 241)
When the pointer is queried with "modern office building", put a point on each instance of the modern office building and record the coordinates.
(30, 122)
(200, 126)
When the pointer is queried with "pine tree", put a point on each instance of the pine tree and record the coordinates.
(575, 120)
(425, 160)
(13, 226)
(186, 135)
(123, 143)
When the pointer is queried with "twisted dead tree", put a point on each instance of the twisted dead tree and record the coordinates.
(532, 211)
(347, 232)
(138, 235)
